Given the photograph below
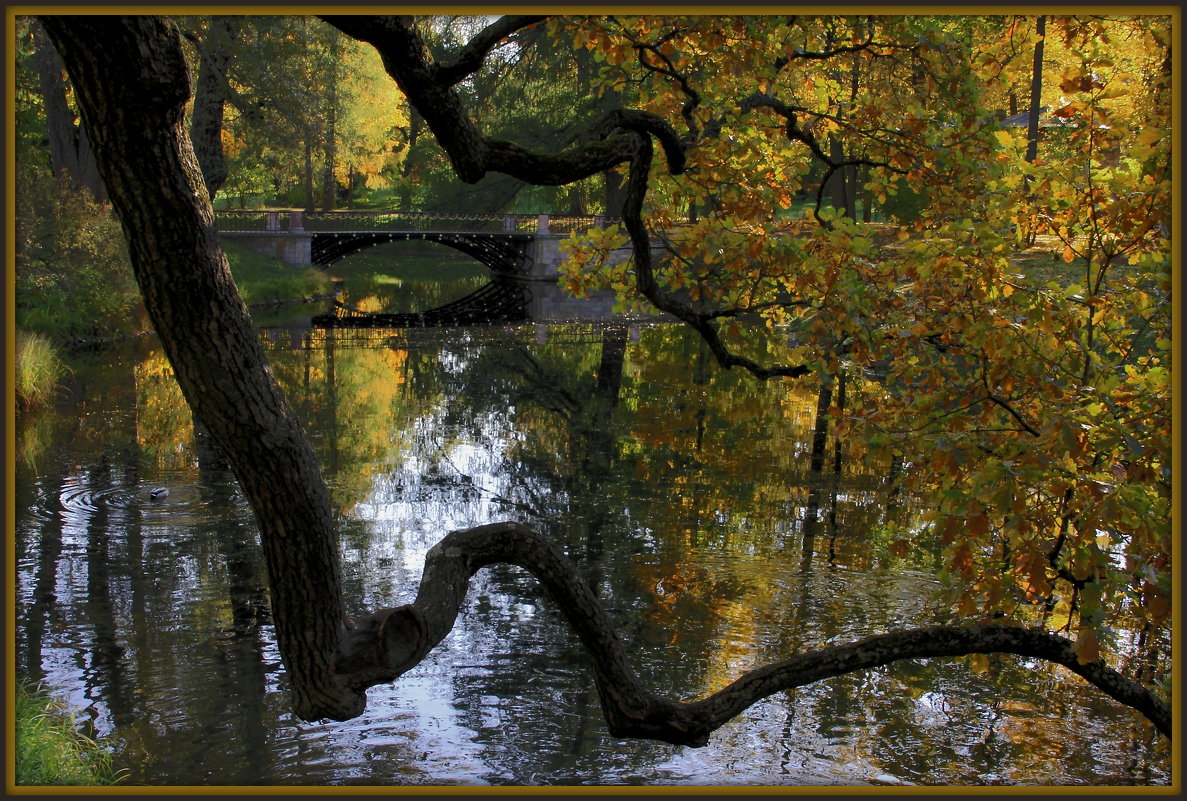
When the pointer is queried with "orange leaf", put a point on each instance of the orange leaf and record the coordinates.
(1034, 566)
(978, 524)
(1158, 604)
(962, 558)
(1088, 648)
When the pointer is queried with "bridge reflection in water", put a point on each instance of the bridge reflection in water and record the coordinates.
(503, 300)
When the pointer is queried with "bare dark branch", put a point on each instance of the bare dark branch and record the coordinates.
(392, 641)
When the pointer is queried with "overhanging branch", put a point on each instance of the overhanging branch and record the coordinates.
(392, 641)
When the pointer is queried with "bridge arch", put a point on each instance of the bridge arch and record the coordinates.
(505, 254)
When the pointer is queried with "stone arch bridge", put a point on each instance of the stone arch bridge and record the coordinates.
(510, 244)
(517, 248)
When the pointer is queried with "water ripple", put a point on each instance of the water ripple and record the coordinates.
(86, 500)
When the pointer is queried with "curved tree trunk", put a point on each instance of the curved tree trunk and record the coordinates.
(132, 83)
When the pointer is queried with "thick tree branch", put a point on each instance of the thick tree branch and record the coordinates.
(427, 85)
(824, 55)
(620, 136)
(392, 641)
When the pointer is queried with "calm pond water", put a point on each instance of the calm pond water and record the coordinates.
(682, 491)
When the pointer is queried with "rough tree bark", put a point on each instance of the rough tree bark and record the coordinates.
(130, 77)
(132, 84)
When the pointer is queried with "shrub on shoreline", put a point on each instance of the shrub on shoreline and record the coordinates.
(49, 748)
(73, 276)
(38, 370)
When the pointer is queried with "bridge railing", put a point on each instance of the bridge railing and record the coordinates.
(252, 220)
(418, 221)
(297, 221)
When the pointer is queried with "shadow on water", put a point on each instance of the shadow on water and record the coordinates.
(702, 506)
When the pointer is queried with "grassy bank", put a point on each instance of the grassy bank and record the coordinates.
(38, 370)
(262, 279)
(49, 748)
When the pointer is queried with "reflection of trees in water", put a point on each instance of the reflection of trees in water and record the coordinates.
(107, 673)
(566, 393)
(44, 539)
(689, 605)
(141, 615)
(587, 463)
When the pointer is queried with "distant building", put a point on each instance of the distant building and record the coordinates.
(1049, 122)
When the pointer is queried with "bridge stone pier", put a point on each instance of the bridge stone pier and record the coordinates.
(282, 235)
(527, 246)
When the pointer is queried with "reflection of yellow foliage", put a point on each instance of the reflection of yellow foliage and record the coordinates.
(164, 425)
(362, 408)
(735, 652)
(369, 304)
(34, 434)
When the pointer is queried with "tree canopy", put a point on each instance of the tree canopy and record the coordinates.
(1029, 399)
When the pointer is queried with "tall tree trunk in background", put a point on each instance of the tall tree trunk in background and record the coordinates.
(330, 148)
(851, 192)
(837, 190)
(308, 182)
(1030, 232)
(615, 197)
(132, 85)
(415, 124)
(838, 445)
(211, 94)
(59, 119)
(852, 185)
(867, 204)
(69, 149)
(1036, 93)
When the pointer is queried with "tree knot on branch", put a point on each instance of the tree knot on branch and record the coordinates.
(654, 718)
(381, 647)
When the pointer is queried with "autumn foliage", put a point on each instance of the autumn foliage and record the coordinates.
(1027, 388)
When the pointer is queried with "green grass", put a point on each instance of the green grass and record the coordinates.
(49, 748)
(399, 262)
(262, 279)
(38, 370)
